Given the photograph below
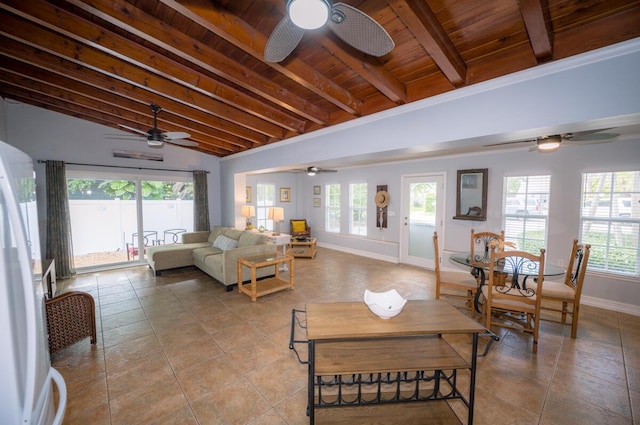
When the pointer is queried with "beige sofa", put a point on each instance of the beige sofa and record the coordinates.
(197, 250)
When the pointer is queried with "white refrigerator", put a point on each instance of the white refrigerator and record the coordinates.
(26, 376)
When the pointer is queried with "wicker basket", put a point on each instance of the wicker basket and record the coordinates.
(70, 318)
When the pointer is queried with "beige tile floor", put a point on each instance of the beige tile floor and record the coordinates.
(179, 349)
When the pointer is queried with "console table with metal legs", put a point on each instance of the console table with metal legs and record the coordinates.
(357, 359)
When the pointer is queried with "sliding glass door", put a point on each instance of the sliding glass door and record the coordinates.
(114, 220)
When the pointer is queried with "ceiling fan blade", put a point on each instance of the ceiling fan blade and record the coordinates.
(284, 38)
(321, 170)
(594, 137)
(509, 143)
(171, 135)
(131, 137)
(144, 133)
(359, 30)
(182, 142)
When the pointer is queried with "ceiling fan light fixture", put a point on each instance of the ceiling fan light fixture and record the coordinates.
(309, 14)
(311, 171)
(549, 144)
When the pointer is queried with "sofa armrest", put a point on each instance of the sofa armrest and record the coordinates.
(191, 237)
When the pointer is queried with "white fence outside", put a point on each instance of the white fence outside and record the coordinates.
(107, 226)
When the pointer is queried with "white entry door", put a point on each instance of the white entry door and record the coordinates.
(422, 213)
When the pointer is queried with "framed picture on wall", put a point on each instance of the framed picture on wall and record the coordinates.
(316, 190)
(316, 202)
(285, 194)
(247, 195)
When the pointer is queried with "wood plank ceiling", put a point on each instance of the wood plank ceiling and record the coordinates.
(106, 61)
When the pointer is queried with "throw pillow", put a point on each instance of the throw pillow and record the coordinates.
(298, 226)
(224, 243)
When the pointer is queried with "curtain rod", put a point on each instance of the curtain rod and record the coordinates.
(42, 161)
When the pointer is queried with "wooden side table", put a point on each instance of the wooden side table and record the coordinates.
(268, 285)
(302, 249)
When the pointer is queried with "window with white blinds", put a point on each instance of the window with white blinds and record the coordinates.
(358, 209)
(525, 209)
(265, 199)
(332, 208)
(610, 221)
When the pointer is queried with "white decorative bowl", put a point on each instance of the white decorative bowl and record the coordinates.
(384, 304)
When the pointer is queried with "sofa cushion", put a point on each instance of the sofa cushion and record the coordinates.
(217, 231)
(201, 253)
(251, 238)
(224, 243)
(233, 233)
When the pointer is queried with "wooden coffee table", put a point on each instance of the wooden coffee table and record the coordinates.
(302, 248)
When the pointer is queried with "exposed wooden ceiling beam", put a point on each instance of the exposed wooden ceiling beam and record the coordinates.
(88, 33)
(424, 25)
(535, 14)
(125, 16)
(236, 31)
(33, 56)
(114, 68)
(106, 112)
(366, 67)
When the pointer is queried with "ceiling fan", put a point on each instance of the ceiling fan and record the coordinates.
(551, 143)
(313, 170)
(157, 138)
(354, 27)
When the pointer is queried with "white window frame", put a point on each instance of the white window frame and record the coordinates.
(529, 213)
(358, 208)
(332, 208)
(613, 234)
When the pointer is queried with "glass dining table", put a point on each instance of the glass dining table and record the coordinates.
(513, 268)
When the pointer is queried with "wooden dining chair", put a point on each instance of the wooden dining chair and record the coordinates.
(514, 303)
(568, 292)
(462, 283)
(481, 244)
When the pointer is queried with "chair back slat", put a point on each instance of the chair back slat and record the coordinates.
(481, 244)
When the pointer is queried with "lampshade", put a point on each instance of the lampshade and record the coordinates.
(276, 214)
(248, 211)
(309, 14)
(549, 144)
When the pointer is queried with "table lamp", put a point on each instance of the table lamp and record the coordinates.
(277, 215)
(248, 211)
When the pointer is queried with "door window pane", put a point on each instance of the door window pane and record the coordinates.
(422, 218)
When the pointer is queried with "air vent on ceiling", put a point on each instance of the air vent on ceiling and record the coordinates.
(139, 155)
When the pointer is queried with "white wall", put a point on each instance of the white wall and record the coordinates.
(47, 135)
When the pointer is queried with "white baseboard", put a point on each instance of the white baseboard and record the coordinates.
(367, 254)
(610, 305)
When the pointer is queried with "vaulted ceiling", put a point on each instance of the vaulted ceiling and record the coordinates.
(107, 61)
